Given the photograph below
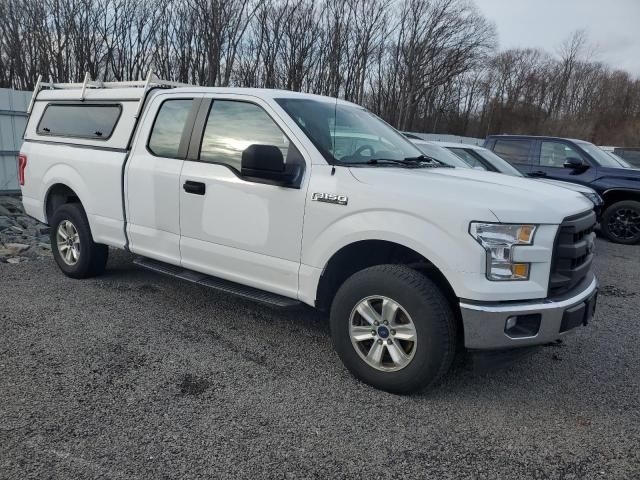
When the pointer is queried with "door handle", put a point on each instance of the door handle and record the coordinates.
(538, 173)
(197, 188)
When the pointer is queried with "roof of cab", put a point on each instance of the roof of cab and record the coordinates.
(266, 93)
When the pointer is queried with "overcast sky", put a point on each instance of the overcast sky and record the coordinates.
(613, 26)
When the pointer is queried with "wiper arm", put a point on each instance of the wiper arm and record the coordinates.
(426, 158)
(421, 161)
(419, 158)
(409, 162)
(394, 161)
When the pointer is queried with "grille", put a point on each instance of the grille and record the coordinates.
(572, 253)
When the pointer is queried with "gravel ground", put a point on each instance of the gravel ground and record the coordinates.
(135, 375)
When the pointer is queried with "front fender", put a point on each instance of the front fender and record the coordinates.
(448, 249)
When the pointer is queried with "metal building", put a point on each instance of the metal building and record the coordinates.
(13, 118)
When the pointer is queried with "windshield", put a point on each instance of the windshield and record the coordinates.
(601, 157)
(347, 133)
(441, 154)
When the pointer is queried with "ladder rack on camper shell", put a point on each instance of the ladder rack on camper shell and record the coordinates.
(150, 81)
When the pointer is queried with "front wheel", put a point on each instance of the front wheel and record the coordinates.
(393, 328)
(621, 222)
(74, 250)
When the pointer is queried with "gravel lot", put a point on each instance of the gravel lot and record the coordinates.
(135, 375)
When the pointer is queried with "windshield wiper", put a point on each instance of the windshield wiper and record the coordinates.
(410, 162)
(433, 161)
(393, 161)
(421, 161)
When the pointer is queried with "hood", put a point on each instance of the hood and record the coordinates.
(576, 187)
(509, 199)
(621, 173)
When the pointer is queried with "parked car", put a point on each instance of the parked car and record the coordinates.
(251, 192)
(579, 162)
(480, 158)
(629, 155)
(439, 153)
(610, 151)
(623, 163)
(412, 136)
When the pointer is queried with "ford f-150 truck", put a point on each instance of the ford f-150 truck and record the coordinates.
(290, 198)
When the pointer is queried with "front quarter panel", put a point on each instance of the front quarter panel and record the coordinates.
(436, 228)
(617, 179)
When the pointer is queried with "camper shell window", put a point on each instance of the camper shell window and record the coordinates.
(89, 120)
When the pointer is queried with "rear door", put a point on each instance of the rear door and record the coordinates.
(152, 186)
(551, 156)
(234, 228)
(517, 151)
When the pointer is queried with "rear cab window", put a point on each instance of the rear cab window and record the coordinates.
(514, 150)
(167, 137)
(90, 120)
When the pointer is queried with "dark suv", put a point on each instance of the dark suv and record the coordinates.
(579, 162)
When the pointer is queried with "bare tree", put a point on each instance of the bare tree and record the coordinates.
(426, 65)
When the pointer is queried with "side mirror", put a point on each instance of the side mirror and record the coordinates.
(265, 163)
(575, 163)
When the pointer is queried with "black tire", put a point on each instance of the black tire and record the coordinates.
(431, 314)
(613, 226)
(92, 258)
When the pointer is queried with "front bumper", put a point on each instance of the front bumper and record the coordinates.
(485, 323)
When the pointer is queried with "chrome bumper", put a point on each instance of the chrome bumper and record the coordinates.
(485, 323)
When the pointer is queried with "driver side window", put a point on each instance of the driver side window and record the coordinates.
(232, 126)
(554, 154)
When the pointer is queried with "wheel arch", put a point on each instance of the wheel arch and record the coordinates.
(615, 195)
(58, 194)
(362, 254)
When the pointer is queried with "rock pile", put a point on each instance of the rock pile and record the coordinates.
(21, 237)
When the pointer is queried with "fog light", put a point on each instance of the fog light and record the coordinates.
(521, 326)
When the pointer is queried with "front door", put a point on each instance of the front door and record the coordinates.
(552, 156)
(231, 227)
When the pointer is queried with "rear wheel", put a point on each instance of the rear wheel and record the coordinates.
(74, 250)
(621, 222)
(393, 328)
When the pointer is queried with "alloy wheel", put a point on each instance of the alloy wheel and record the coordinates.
(382, 333)
(68, 241)
(624, 224)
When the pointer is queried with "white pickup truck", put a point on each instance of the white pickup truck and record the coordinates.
(290, 198)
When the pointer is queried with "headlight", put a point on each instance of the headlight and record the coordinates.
(499, 240)
(594, 197)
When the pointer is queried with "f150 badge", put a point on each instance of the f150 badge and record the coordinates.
(330, 198)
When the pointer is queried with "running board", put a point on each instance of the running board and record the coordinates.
(226, 286)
